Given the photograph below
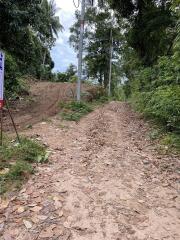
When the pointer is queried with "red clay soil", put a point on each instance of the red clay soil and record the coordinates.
(105, 181)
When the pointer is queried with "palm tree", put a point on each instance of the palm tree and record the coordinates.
(52, 27)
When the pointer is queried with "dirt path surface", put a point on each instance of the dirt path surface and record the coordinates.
(104, 181)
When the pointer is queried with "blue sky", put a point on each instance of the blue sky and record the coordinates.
(62, 54)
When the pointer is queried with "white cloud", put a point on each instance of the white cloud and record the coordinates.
(66, 5)
(59, 40)
(62, 53)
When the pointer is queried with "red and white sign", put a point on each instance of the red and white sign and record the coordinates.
(2, 57)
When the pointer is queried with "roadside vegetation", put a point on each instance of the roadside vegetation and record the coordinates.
(18, 160)
(146, 59)
(74, 111)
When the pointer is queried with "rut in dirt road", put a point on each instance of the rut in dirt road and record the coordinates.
(105, 182)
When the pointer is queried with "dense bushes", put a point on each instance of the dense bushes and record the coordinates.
(162, 104)
(155, 91)
(11, 73)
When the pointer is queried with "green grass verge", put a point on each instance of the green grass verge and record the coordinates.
(169, 142)
(16, 162)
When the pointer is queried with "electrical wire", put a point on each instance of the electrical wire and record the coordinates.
(76, 6)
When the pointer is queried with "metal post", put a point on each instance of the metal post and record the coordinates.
(14, 125)
(110, 63)
(80, 51)
(1, 137)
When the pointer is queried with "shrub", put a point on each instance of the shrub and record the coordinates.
(73, 111)
(20, 170)
(16, 159)
(163, 104)
(15, 84)
(11, 73)
(119, 94)
(29, 150)
(95, 93)
(172, 141)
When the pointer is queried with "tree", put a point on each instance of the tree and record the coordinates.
(150, 21)
(28, 30)
(97, 42)
(71, 70)
(68, 75)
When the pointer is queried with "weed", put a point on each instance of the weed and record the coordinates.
(20, 170)
(171, 141)
(14, 178)
(16, 159)
(73, 111)
(28, 150)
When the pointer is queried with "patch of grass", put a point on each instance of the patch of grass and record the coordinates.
(171, 142)
(15, 176)
(74, 111)
(20, 171)
(28, 150)
(16, 161)
(167, 141)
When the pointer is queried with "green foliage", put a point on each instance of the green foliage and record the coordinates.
(74, 111)
(152, 27)
(171, 141)
(20, 170)
(162, 104)
(29, 30)
(119, 94)
(11, 73)
(28, 150)
(73, 79)
(68, 76)
(16, 160)
(97, 43)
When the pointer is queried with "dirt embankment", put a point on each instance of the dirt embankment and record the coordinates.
(41, 104)
(106, 181)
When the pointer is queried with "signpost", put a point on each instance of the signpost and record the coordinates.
(2, 57)
(3, 99)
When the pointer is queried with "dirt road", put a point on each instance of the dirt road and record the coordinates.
(105, 181)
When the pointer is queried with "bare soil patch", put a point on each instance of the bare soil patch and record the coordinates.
(42, 103)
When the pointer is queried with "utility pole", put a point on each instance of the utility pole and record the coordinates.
(80, 50)
(110, 63)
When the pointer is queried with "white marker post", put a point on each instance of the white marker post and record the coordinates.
(2, 57)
